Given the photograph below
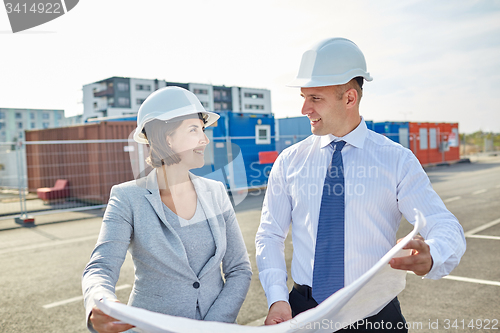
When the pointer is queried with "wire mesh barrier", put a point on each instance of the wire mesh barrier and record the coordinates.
(65, 175)
(74, 168)
(46, 177)
(12, 175)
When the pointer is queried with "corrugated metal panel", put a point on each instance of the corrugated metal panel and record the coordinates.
(291, 131)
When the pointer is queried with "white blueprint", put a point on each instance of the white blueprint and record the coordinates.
(364, 297)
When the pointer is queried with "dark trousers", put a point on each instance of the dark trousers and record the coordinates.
(389, 318)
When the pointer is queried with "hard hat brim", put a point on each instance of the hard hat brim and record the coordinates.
(211, 118)
(328, 80)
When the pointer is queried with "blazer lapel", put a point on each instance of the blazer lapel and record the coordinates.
(212, 210)
(155, 200)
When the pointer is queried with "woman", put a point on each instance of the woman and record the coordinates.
(178, 228)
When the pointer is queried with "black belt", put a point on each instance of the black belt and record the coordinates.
(304, 290)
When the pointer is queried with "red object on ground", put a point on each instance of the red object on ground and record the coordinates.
(267, 157)
(25, 221)
(59, 191)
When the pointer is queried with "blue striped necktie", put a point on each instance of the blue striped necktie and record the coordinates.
(328, 273)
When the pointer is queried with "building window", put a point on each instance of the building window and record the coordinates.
(45, 125)
(20, 135)
(143, 87)
(20, 125)
(140, 101)
(32, 115)
(1, 125)
(33, 125)
(254, 107)
(59, 116)
(2, 115)
(200, 91)
(122, 86)
(45, 116)
(95, 105)
(205, 104)
(254, 95)
(263, 134)
(220, 106)
(221, 94)
(123, 101)
(19, 115)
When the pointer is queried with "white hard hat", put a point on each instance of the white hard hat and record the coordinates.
(331, 62)
(167, 103)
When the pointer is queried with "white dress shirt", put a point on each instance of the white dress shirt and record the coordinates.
(382, 181)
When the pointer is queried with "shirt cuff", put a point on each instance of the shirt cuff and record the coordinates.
(434, 273)
(276, 293)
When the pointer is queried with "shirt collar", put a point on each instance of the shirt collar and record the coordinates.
(355, 138)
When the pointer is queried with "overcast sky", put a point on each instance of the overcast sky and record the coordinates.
(436, 61)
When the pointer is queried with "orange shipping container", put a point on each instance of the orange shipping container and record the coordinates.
(427, 141)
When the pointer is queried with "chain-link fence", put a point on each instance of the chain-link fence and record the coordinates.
(40, 177)
(46, 177)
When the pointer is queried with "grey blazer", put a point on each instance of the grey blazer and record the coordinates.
(164, 281)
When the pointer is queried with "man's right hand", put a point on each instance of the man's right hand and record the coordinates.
(278, 312)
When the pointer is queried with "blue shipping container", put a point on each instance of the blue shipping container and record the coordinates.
(396, 131)
(248, 135)
(291, 131)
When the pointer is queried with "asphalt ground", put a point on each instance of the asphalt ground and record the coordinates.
(40, 267)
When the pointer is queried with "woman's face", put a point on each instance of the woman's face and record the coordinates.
(189, 142)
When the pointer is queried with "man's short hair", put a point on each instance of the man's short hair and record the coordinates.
(355, 83)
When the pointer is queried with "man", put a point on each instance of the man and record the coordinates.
(344, 189)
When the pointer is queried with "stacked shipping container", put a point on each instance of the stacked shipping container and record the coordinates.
(432, 143)
(92, 168)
